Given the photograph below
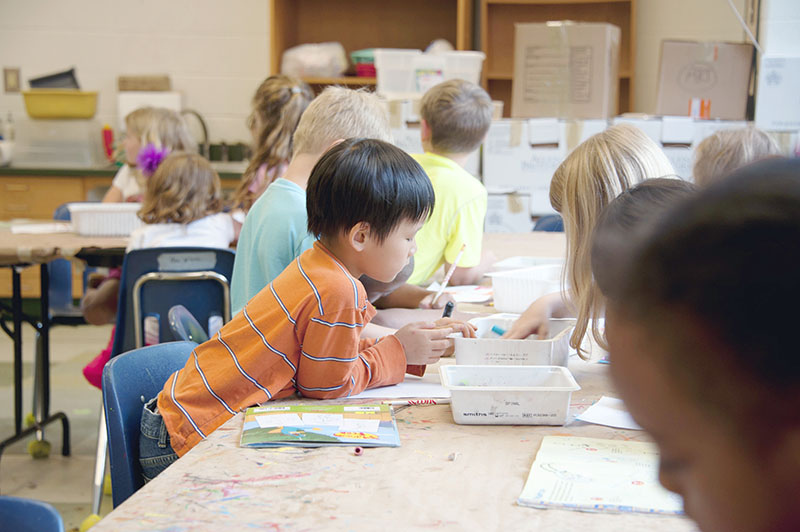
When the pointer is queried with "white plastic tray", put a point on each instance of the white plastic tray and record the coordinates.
(489, 349)
(509, 395)
(515, 290)
(104, 219)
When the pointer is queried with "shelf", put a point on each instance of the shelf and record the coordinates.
(344, 80)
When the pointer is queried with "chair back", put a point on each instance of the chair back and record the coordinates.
(128, 381)
(153, 280)
(28, 515)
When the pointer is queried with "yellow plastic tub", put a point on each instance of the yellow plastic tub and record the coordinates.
(60, 103)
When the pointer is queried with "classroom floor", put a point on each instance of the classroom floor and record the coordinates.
(64, 482)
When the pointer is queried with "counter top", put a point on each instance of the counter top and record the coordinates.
(229, 170)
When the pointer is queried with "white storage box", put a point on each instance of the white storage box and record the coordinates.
(405, 73)
(508, 395)
(515, 290)
(104, 219)
(522, 261)
(489, 349)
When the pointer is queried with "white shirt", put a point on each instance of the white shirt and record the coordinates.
(214, 231)
(125, 181)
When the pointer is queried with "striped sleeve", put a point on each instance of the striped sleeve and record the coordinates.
(335, 362)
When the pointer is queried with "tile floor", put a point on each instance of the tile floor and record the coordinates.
(65, 482)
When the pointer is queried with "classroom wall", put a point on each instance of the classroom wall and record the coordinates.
(657, 20)
(214, 51)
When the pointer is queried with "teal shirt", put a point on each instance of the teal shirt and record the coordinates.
(275, 232)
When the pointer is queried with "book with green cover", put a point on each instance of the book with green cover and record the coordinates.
(319, 425)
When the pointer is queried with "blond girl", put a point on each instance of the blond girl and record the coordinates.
(159, 128)
(726, 150)
(277, 106)
(596, 172)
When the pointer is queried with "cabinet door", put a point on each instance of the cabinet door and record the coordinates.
(37, 197)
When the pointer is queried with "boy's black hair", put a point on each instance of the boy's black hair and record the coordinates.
(625, 220)
(366, 180)
(727, 261)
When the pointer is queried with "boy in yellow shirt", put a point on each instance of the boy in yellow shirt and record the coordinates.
(455, 116)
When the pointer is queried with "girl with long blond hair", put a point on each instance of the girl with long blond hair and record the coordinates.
(596, 172)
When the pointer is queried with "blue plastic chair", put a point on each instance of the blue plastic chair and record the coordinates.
(128, 381)
(550, 222)
(152, 281)
(28, 515)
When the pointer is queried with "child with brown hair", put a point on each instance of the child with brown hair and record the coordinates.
(276, 109)
(182, 207)
(456, 115)
(700, 329)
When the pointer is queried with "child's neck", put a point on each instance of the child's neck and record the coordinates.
(343, 253)
(299, 169)
(459, 158)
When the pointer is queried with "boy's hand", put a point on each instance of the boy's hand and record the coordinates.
(426, 342)
(427, 301)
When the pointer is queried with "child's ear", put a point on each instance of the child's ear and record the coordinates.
(424, 130)
(358, 236)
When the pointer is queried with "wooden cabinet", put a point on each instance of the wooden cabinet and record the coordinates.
(359, 24)
(497, 38)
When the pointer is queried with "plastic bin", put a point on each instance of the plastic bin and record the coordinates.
(515, 290)
(489, 349)
(60, 103)
(520, 262)
(405, 73)
(509, 395)
(104, 219)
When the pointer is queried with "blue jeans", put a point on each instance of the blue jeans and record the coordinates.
(155, 452)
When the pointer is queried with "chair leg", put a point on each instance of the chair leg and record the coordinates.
(99, 465)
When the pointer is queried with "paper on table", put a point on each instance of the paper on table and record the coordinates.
(470, 293)
(411, 387)
(44, 228)
(597, 475)
(611, 412)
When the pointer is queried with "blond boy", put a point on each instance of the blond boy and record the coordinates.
(455, 116)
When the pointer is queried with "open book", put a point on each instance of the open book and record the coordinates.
(319, 425)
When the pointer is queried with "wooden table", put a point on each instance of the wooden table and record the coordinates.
(220, 486)
(18, 251)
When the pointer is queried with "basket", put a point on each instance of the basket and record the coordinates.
(509, 395)
(515, 290)
(104, 219)
(60, 103)
(489, 349)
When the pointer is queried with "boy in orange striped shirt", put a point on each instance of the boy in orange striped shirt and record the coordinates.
(366, 200)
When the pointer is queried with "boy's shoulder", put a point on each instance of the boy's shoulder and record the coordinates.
(446, 173)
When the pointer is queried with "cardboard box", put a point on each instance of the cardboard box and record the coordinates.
(508, 213)
(565, 69)
(778, 94)
(704, 79)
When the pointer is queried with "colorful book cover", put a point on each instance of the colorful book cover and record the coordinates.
(598, 475)
(320, 425)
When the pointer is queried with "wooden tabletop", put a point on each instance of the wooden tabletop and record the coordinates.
(44, 247)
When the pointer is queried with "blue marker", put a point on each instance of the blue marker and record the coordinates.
(499, 331)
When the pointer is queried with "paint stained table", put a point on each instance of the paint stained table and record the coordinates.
(417, 486)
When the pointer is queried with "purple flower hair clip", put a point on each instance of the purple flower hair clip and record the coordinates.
(150, 157)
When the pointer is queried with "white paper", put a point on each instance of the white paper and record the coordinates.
(468, 293)
(314, 418)
(38, 229)
(611, 412)
(411, 388)
(279, 420)
(359, 425)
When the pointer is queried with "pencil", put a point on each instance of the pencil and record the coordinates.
(449, 274)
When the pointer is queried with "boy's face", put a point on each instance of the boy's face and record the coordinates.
(725, 485)
(385, 260)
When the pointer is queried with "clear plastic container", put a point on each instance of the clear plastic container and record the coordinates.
(509, 395)
(405, 73)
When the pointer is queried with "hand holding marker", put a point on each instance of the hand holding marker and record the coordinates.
(449, 274)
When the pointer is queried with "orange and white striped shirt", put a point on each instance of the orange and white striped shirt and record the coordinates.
(301, 333)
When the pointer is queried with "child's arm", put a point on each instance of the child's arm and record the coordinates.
(99, 304)
(472, 275)
(113, 195)
(534, 319)
(411, 296)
